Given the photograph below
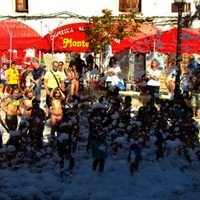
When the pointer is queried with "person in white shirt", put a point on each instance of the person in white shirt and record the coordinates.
(153, 83)
(3, 76)
(113, 72)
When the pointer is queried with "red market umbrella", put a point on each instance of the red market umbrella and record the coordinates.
(166, 41)
(69, 38)
(133, 42)
(17, 35)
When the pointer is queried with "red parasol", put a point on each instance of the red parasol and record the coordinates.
(17, 35)
(134, 42)
(166, 41)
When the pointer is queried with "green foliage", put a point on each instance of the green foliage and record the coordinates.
(107, 28)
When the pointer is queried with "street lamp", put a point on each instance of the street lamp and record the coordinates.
(179, 6)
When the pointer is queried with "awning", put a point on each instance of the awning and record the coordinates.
(166, 41)
(133, 42)
(17, 35)
(69, 38)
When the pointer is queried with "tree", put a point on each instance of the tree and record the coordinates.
(107, 28)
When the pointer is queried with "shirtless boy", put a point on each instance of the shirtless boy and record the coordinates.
(73, 77)
(26, 103)
(57, 96)
(30, 82)
(25, 108)
(11, 108)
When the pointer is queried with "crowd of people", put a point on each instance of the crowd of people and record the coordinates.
(110, 119)
(149, 82)
(21, 100)
(189, 82)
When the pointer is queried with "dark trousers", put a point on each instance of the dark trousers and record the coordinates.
(100, 162)
(154, 93)
(1, 141)
(11, 122)
(48, 99)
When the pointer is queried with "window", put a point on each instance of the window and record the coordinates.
(130, 5)
(185, 8)
(21, 5)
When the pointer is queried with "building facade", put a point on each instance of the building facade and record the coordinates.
(87, 8)
(157, 12)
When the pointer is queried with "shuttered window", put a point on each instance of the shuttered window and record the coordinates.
(185, 8)
(21, 5)
(130, 5)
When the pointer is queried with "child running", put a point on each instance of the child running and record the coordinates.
(57, 98)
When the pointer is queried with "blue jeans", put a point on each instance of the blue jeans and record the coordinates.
(38, 88)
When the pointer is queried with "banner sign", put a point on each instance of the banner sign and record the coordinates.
(69, 38)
